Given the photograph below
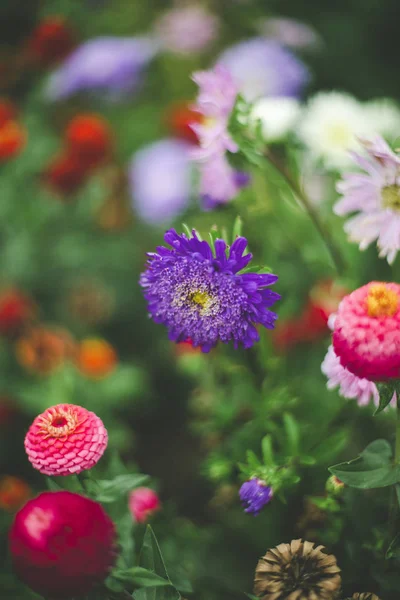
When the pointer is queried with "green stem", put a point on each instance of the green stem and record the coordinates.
(326, 237)
(394, 504)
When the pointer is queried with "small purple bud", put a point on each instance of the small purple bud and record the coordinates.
(254, 495)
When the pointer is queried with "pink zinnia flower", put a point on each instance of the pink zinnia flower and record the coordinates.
(143, 502)
(65, 439)
(375, 196)
(366, 331)
(62, 544)
(350, 386)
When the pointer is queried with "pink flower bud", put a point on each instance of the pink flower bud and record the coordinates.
(143, 502)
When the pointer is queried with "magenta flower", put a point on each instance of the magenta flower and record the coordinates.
(366, 331)
(143, 502)
(65, 439)
(350, 386)
(62, 544)
(375, 196)
(160, 180)
(187, 29)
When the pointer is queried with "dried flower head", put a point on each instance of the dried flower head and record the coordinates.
(364, 596)
(297, 571)
(42, 350)
(65, 439)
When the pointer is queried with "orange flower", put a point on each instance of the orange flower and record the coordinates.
(186, 347)
(65, 175)
(42, 349)
(15, 310)
(51, 41)
(13, 493)
(96, 358)
(12, 140)
(88, 136)
(179, 119)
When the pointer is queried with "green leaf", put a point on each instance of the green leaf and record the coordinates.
(386, 391)
(268, 454)
(330, 447)
(372, 469)
(394, 549)
(237, 228)
(104, 490)
(140, 577)
(252, 597)
(292, 434)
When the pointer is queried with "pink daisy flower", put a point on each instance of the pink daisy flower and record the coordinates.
(65, 439)
(375, 196)
(216, 99)
(366, 331)
(350, 386)
(187, 29)
(143, 502)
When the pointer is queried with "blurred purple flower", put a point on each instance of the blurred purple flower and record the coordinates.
(109, 64)
(262, 67)
(219, 182)
(291, 33)
(159, 179)
(254, 495)
(187, 29)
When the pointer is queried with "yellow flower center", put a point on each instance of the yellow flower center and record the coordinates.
(58, 423)
(200, 298)
(391, 197)
(382, 301)
(340, 134)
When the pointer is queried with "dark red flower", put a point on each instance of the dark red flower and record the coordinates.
(65, 174)
(51, 41)
(89, 137)
(12, 140)
(62, 544)
(179, 119)
(15, 310)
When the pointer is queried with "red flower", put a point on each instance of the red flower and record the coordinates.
(89, 138)
(65, 174)
(143, 502)
(15, 310)
(51, 41)
(8, 112)
(12, 140)
(62, 544)
(179, 119)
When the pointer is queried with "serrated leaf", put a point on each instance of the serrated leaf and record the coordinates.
(372, 469)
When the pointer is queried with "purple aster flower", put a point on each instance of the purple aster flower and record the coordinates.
(350, 386)
(202, 296)
(110, 64)
(219, 182)
(188, 29)
(261, 67)
(254, 495)
(375, 196)
(291, 33)
(160, 180)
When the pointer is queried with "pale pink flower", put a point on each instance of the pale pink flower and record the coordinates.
(366, 331)
(65, 439)
(375, 196)
(350, 386)
(187, 29)
(143, 502)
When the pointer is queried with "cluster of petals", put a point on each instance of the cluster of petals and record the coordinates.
(373, 198)
(216, 100)
(66, 439)
(143, 502)
(366, 332)
(350, 386)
